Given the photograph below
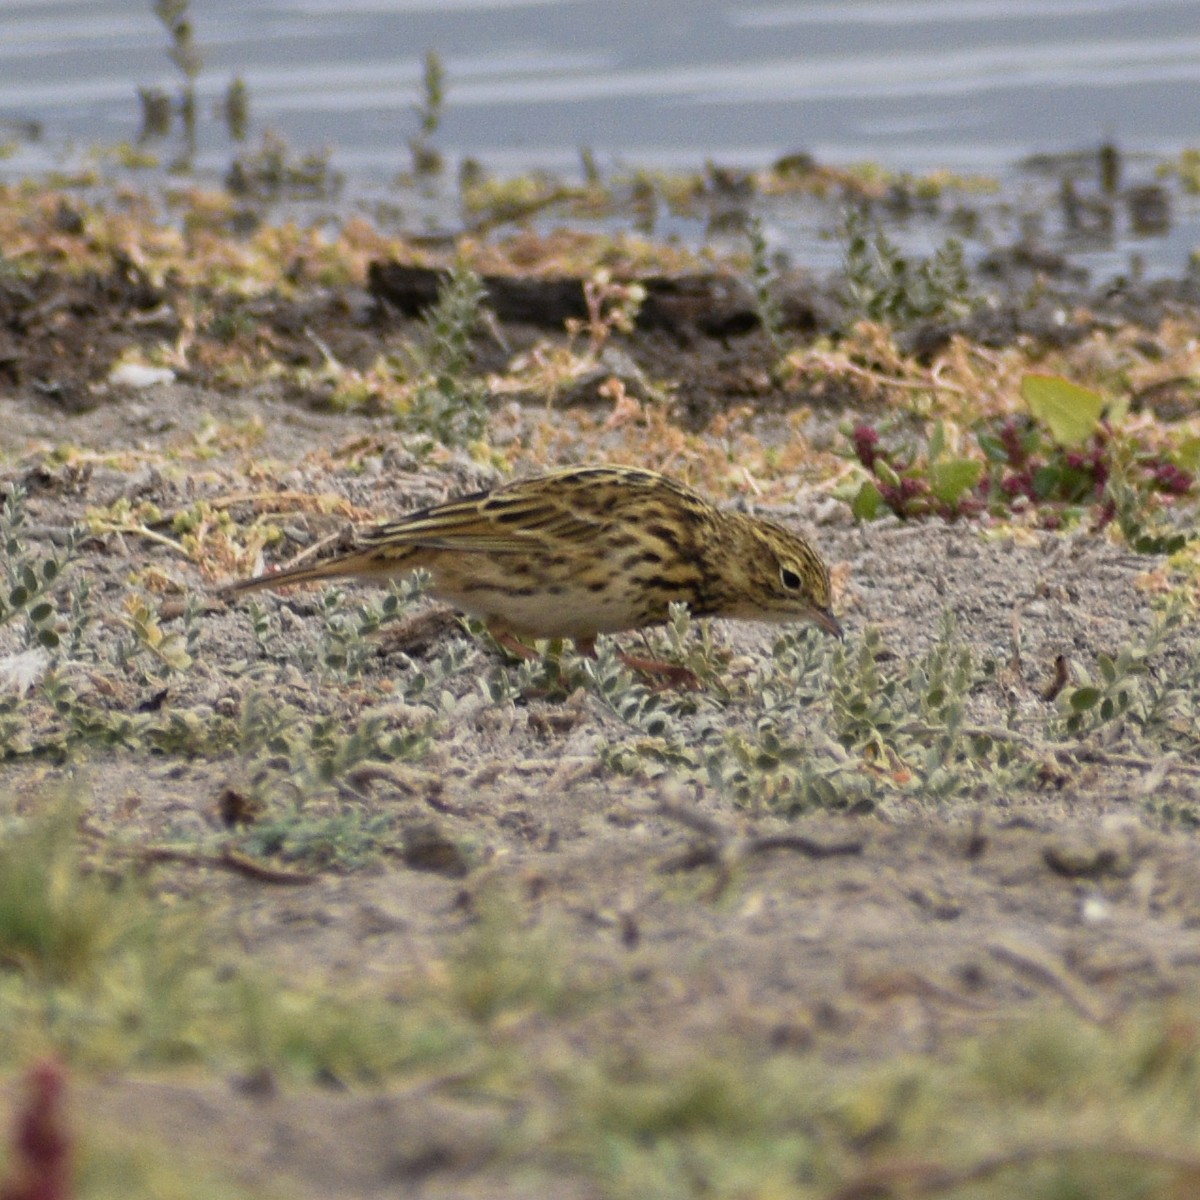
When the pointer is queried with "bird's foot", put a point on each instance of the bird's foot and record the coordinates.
(662, 676)
(513, 644)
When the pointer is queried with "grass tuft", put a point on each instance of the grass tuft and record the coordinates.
(58, 920)
(100, 972)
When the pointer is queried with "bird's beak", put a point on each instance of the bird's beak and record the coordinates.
(828, 622)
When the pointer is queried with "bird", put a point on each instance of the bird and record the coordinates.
(588, 550)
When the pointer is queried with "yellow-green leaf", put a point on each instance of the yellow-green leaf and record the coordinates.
(951, 480)
(1069, 411)
(884, 470)
(867, 503)
(1187, 454)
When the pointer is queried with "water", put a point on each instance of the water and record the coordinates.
(970, 85)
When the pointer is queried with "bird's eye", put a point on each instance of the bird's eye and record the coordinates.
(790, 579)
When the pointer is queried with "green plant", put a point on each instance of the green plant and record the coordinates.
(69, 718)
(762, 279)
(502, 967)
(1047, 1107)
(882, 285)
(426, 159)
(561, 671)
(345, 648)
(1135, 492)
(310, 753)
(1146, 692)
(1187, 168)
(611, 307)
(338, 838)
(159, 653)
(822, 725)
(308, 777)
(96, 970)
(909, 720)
(57, 920)
(888, 726)
(1060, 460)
(720, 1125)
(30, 578)
(235, 108)
(913, 480)
(348, 640)
(185, 54)
(305, 780)
(691, 645)
(447, 403)
(274, 172)
(46, 707)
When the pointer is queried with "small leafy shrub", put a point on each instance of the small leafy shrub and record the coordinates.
(29, 578)
(276, 172)
(882, 285)
(305, 799)
(426, 159)
(504, 966)
(766, 306)
(1146, 692)
(344, 647)
(1024, 462)
(447, 403)
(683, 645)
(98, 971)
(176, 19)
(824, 725)
(56, 919)
(161, 653)
(346, 644)
(49, 705)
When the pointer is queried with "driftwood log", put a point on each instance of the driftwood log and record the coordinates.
(714, 305)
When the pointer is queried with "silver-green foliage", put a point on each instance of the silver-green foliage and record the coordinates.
(1145, 695)
(426, 159)
(854, 725)
(821, 724)
(54, 707)
(344, 646)
(29, 578)
(762, 278)
(306, 778)
(883, 285)
(448, 402)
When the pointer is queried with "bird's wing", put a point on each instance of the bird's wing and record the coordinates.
(511, 520)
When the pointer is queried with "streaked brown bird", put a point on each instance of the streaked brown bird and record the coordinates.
(589, 550)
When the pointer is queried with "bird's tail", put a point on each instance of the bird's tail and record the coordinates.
(363, 563)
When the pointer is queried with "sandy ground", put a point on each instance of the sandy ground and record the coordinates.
(865, 936)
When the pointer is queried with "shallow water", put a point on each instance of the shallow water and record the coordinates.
(971, 85)
(911, 83)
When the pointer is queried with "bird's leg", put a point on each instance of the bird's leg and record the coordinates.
(668, 674)
(665, 675)
(507, 640)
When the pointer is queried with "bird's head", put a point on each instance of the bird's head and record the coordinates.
(775, 576)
